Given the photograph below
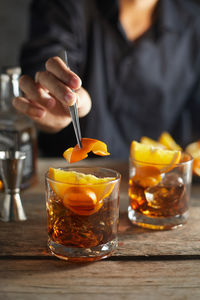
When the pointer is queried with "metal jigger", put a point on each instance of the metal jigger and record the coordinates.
(11, 169)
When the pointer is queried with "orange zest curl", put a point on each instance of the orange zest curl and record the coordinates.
(75, 154)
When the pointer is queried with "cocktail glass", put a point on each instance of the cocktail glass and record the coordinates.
(83, 216)
(159, 194)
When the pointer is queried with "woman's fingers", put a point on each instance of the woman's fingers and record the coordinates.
(35, 92)
(26, 107)
(57, 82)
(56, 88)
(53, 89)
(52, 120)
(56, 66)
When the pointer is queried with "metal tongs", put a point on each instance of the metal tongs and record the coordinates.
(73, 111)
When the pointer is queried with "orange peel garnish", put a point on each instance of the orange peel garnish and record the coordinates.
(75, 154)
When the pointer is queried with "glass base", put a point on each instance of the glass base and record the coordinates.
(74, 254)
(157, 223)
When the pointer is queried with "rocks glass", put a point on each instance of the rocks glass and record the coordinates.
(159, 200)
(83, 213)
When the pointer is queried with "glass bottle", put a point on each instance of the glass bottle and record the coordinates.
(17, 132)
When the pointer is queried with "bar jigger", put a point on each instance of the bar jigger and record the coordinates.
(11, 170)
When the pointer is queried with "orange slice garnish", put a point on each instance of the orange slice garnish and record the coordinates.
(1, 185)
(81, 193)
(196, 166)
(160, 158)
(88, 145)
(151, 162)
(148, 141)
(167, 140)
(194, 150)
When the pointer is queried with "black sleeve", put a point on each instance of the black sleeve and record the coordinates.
(195, 111)
(195, 97)
(55, 25)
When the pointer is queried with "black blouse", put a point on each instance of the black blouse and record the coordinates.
(137, 88)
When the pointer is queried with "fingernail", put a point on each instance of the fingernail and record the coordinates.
(20, 105)
(50, 103)
(44, 94)
(75, 82)
(69, 97)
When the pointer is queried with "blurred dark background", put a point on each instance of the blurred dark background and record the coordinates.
(13, 29)
(14, 17)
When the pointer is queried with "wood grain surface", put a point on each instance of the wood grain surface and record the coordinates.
(29, 238)
(106, 279)
(147, 264)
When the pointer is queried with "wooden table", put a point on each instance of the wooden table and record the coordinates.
(147, 265)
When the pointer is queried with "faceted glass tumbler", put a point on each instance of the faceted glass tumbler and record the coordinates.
(83, 213)
(159, 195)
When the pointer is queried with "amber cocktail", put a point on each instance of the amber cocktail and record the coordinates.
(159, 193)
(83, 212)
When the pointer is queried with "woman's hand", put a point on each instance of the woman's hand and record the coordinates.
(46, 99)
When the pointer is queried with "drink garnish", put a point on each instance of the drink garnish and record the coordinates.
(167, 140)
(194, 150)
(81, 193)
(148, 141)
(151, 162)
(149, 154)
(74, 154)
